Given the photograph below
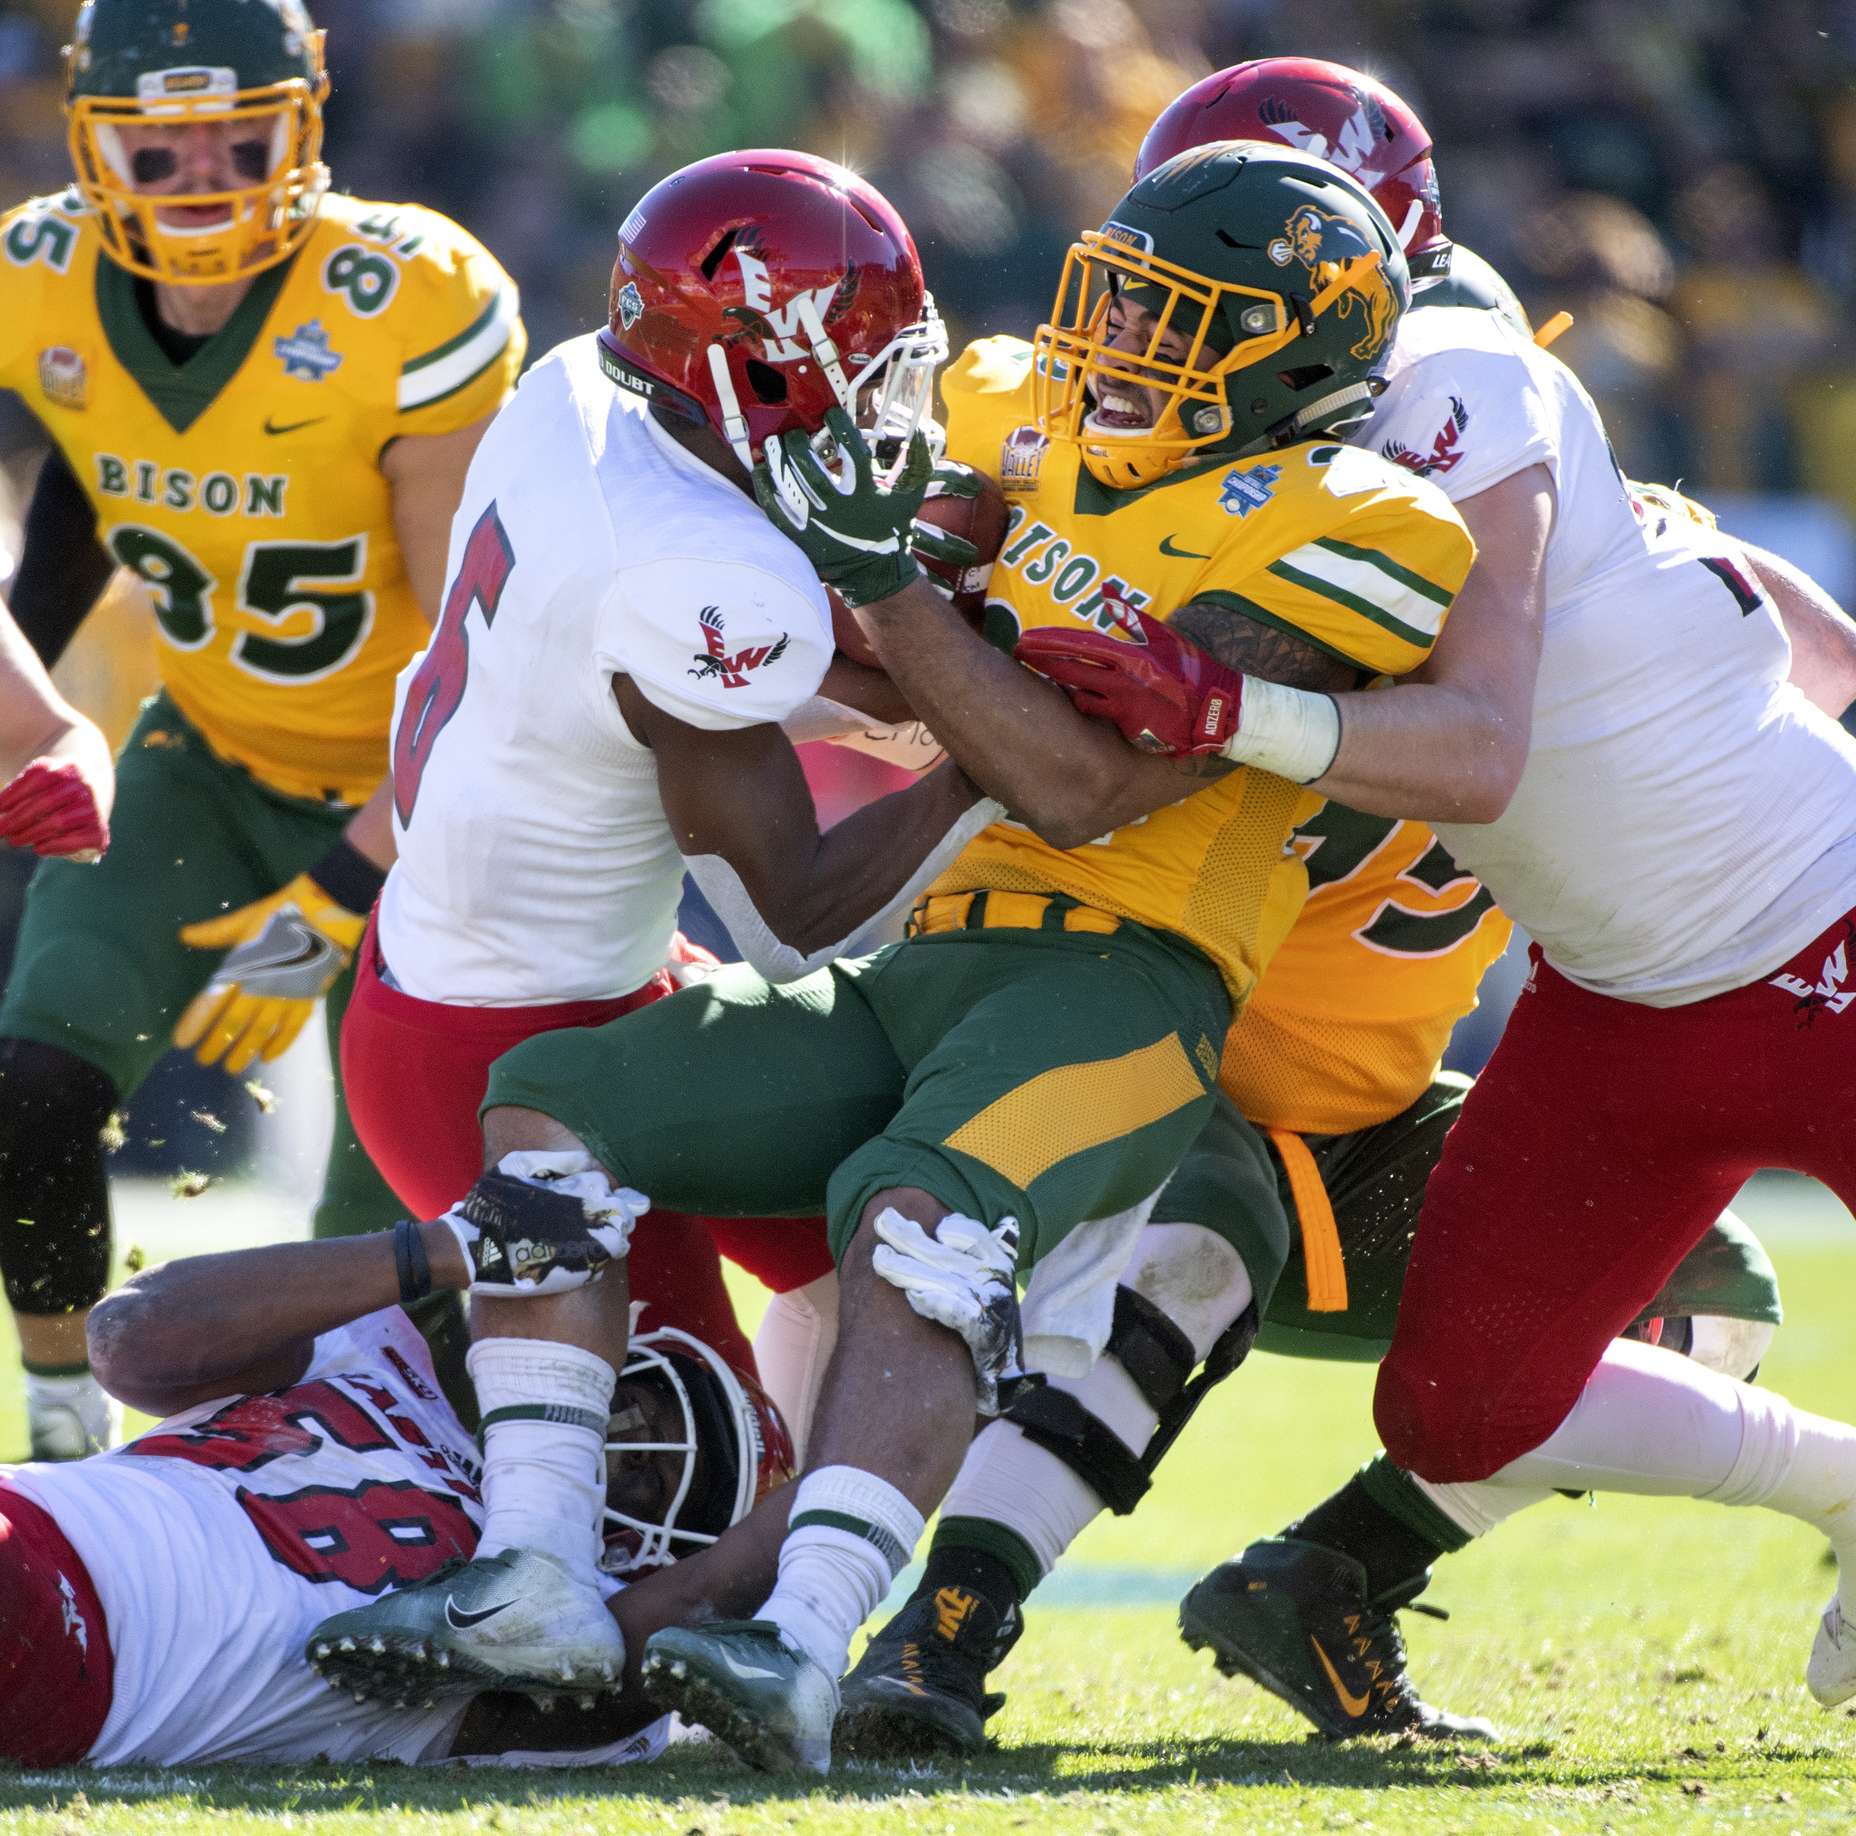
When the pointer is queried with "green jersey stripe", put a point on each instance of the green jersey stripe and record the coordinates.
(1386, 565)
(462, 359)
(1354, 602)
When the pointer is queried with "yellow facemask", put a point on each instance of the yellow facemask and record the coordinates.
(264, 222)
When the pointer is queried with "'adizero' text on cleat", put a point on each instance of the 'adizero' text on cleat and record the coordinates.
(515, 1621)
(920, 1686)
(1831, 1672)
(743, 1682)
(1295, 1618)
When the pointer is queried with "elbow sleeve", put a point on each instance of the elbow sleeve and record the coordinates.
(781, 962)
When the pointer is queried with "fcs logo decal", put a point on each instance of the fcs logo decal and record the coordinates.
(1243, 492)
(1444, 452)
(1828, 993)
(631, 305)
(733, 671)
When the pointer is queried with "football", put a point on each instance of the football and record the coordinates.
(981, 520)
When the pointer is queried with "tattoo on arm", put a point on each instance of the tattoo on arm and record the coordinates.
(1261, 650)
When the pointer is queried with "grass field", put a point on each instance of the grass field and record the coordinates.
(1644, 1660)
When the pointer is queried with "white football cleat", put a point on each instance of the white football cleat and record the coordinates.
(513, 1621)
(1831, 1672)
(70, 1418)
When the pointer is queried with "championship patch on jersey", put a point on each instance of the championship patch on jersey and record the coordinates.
(1243, 492)
(1444, 452)
(63, 376)
(1022, 458)
(732, 671)
(306, 354)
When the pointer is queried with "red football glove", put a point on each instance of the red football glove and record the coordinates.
(1163, 692)
(51, 809)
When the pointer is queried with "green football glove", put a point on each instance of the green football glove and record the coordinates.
(854, 530)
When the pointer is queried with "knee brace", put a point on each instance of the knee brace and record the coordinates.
(54, 1190)
(1158, 1359)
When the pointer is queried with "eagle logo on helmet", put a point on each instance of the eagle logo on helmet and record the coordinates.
(1359, 138)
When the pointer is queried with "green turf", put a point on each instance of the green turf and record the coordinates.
(1644, 1661)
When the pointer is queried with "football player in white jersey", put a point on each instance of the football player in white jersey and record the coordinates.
(601, 708)
(154, 1601)
(1627, 734)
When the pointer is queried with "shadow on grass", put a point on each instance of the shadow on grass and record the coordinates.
(707, 1774)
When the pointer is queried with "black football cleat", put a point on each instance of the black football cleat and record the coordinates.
(920, 1686)
(1294, 1617)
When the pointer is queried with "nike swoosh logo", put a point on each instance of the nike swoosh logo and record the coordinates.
(462, 1620)
(1355, 1706)
(292, 426)
(747, 1670)
(1180, 554)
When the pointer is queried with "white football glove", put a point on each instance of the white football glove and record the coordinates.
(542, 1222)
(964, 1277)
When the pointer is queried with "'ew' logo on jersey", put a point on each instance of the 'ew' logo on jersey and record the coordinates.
(306, 354)
(1243, 492)
(1444, 452)
(733, 671)
(1829, 993)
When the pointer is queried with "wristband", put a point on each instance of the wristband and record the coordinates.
(1294, 733)
(349, 877)
(409, 1257)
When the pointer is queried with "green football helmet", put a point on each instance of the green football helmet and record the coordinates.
(1274, 284)
(140, 64)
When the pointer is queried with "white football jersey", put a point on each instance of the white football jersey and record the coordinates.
(535, 860)
(223, 1537)
(1686, 820)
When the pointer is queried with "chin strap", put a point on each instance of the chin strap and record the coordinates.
(1300, 424)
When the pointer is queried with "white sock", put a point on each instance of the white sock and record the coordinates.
(797, 1335)
(1025, 1488)
(1478, 1505)
(1650, 1421)
(544, 1480)
(848, 1538)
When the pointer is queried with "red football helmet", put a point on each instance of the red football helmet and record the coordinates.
(754, 291)
(1343, 116)
(732, 1433)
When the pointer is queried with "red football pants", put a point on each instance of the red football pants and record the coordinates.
(55, 1663)
(415, 1071)
(1598, 1145)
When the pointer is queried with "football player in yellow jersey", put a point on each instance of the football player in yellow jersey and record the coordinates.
(1334, 1065)
(1009, 1087)
(263, 401)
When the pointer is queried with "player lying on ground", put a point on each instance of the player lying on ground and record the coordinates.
(1341, 1043)
(154, 1602)
(601, 705)
(263, 398)
(1682, 828)
(1011, 1086)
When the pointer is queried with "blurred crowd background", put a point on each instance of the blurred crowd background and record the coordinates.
(1679, 174)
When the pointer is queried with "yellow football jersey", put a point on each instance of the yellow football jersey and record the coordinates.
(244, 486)
(1349, 1024)
(1326, 541)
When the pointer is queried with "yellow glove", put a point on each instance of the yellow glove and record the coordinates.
(282, 954)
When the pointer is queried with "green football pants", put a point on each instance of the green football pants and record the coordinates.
(100, 969)
(1047, 1075)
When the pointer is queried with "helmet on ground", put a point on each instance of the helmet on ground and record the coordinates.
(1351, 120)
(734, 1445)
(754, 291)
(178, 63)
(1273, 281)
